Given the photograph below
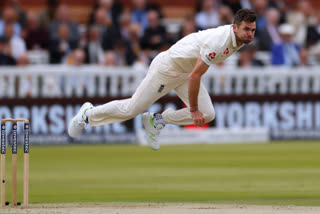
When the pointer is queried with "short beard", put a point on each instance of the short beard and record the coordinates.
(242, 41)
(245, 41)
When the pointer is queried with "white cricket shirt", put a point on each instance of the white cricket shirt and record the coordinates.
(213, 45)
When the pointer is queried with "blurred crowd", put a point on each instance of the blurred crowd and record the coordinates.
(124, 35)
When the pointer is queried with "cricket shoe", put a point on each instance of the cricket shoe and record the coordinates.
(153, 123)
(79, 122)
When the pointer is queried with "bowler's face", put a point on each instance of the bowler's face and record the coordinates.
(245, 32)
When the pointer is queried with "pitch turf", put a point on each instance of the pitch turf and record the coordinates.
(276, 173)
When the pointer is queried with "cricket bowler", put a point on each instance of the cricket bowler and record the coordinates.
(180, 69)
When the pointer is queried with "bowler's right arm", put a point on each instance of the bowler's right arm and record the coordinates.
(194, 85)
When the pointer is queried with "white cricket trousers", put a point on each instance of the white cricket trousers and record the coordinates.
(162, 77)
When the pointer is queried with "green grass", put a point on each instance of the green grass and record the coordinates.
(276, 173)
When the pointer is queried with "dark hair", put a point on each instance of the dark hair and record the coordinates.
(246, 15)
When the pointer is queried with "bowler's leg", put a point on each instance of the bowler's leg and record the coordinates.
(183, 116)
(121, 110)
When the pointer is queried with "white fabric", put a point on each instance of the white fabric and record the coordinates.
(170, 71)
(183, 116)
(213, 45)
(160, 80)
(18, 47)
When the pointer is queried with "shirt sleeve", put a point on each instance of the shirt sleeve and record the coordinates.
(208, 53)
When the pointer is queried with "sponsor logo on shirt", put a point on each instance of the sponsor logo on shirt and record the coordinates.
(211, 56)
(208, 58)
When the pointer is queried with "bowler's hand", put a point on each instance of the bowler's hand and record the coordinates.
(197, 118)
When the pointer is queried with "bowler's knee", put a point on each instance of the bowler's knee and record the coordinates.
(209, 114)
(133, 112)
(136, 110)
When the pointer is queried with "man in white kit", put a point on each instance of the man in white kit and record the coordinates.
(180, 68)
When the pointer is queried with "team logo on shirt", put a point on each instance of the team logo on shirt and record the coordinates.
(161, 88)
